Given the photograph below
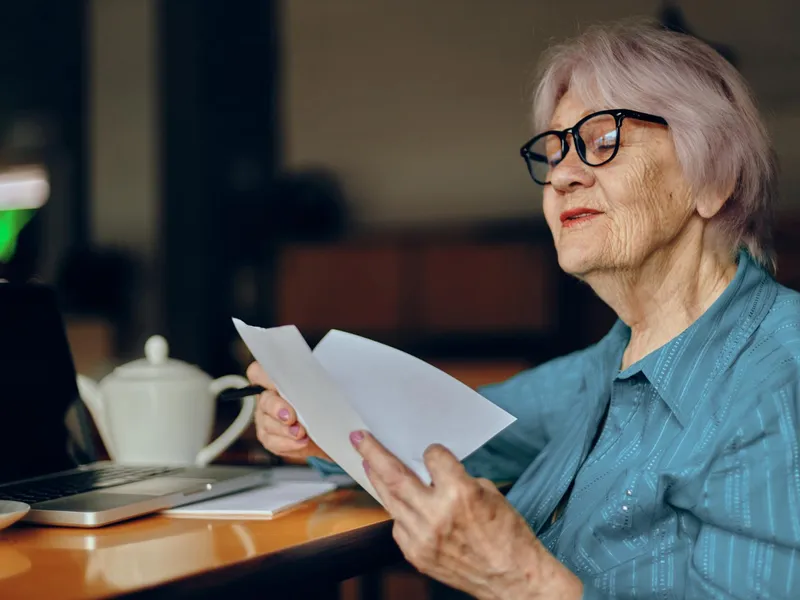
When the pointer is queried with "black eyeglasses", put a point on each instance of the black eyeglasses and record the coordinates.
(596, 141)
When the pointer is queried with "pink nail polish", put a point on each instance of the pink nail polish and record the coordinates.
(356, 438)
(283, 414)
(294, 430)
(365, 464)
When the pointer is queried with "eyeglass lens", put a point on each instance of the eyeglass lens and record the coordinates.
(599, 135)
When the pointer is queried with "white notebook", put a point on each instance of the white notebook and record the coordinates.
(350, 382)
(258, 503)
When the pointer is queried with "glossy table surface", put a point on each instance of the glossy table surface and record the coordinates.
(332, 538)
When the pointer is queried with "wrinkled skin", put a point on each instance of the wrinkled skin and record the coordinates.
(461, 530)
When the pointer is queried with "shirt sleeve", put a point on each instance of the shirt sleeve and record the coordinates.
(748, 544)
(540, 399)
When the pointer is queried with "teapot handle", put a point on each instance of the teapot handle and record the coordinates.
(235, 429)
(92, 397)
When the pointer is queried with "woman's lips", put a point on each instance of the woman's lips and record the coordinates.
(578, 215)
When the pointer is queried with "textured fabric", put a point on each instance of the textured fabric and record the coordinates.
(692, 489)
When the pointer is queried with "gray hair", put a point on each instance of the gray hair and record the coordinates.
(720, 139)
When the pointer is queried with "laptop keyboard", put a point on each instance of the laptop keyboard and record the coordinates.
(60, 486)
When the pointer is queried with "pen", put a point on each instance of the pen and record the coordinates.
(239, 393)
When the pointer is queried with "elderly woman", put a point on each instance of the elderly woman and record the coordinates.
(663, 461)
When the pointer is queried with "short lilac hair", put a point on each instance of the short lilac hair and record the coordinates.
(719, 137)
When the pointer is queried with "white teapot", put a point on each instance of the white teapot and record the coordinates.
(160, 411)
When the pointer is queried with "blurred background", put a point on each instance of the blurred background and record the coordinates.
(327, 163)
(346, 164)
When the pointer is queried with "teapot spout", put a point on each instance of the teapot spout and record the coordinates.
(93, 399)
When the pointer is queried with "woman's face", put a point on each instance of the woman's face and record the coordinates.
(639, 202)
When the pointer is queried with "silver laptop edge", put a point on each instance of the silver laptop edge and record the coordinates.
(116, 503)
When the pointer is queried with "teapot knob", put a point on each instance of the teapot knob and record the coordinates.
(156, 350)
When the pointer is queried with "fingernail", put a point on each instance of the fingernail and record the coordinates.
(365, 464)
(294, 430)
(356, 438)
(283, 414)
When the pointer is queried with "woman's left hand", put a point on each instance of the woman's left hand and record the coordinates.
(461, 530)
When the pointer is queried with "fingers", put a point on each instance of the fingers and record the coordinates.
(272, 404)
(270, 401)
(443, 466)
(276, 428)
(277, 437)
(487, 485)
(276, 421)
(283, 446)
(257, 375)
(386, 472)
(281, 440)
(402, 510)
(404, 540)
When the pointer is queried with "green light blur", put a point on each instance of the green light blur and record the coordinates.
(11, 224)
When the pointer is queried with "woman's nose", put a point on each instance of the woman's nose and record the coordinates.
(571, 172)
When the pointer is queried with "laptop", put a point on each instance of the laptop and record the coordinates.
(37, 466)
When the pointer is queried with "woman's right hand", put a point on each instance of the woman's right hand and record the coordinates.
(276, 422)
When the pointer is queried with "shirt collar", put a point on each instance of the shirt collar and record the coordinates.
(682, 367)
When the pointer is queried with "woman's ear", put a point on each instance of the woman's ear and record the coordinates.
(711, 200)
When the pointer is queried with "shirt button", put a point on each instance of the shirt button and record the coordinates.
(625, 508)
(628, 493)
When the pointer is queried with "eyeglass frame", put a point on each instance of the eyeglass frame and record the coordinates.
(619, 114)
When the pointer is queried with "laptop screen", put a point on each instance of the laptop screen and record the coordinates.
(37, 383)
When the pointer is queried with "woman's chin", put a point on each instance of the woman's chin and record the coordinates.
(577, 261)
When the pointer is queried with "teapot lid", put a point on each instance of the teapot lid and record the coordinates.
(156, 364)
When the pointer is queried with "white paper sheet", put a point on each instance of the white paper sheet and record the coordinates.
(350, 382)
(261, 502)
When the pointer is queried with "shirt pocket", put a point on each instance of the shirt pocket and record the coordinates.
(621, 529)
(626, 518)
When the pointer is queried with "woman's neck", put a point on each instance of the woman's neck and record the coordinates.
(665, 295)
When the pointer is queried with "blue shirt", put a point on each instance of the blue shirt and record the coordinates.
(692, 489)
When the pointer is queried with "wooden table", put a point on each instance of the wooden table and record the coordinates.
(301, 554)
